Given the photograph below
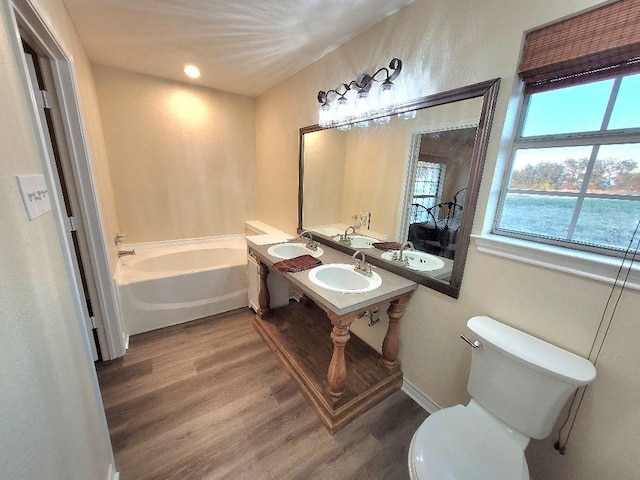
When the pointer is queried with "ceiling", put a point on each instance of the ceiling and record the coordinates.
(240, 46)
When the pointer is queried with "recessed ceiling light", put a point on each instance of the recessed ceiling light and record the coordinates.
(191, 71)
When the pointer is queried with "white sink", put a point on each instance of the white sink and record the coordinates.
(342, 278)
(361, 241)
(418, 261)
(292, 250)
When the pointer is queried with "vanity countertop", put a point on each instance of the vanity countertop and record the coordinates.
(340, 303)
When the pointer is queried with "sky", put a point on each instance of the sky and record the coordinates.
(566, 111)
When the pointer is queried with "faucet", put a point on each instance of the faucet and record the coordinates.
(118, 238)
(124, 253)
(345, 237)
(361, 264)
(402, 247)
(311, 245)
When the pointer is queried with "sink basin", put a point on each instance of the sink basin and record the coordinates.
(291, 250)
(362, 241)
(342, 278)
(418, 261)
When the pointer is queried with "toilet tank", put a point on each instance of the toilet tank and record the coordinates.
(522, 380)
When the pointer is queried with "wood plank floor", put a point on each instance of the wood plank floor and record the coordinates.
(209, 400)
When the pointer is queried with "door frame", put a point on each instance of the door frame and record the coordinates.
(27, 17)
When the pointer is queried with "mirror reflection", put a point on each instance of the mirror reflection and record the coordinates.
(399, 190)
(440, 174)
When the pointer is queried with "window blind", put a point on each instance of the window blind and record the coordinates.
(597, 44)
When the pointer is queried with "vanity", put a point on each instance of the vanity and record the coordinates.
(339, 374)
(399, 189)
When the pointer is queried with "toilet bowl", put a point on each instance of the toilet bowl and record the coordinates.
(518, 386)
(460, 443)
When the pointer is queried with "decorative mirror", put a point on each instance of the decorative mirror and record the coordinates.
(410, 176)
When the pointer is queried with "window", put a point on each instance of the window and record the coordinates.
(427, 190)
(575, 171)
(574, 176)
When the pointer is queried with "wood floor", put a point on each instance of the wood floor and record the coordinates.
(209, 400)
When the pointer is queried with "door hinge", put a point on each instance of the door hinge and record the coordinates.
(72, 224)
(46, 99)
(93, 322)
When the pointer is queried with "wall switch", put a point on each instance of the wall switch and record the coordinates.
(35, 195)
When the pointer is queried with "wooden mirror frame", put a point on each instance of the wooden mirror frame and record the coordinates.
(489, 91)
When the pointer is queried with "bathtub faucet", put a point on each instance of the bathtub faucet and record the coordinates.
(311, 245)
(124, 253)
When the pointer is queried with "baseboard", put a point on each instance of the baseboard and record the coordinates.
(113, 473)
(420, 398)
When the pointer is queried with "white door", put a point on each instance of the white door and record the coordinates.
(66, 192)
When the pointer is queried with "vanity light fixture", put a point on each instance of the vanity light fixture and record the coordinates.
(407, 115)
(350, 101)
(191, 71)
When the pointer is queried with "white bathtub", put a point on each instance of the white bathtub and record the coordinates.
(174, 282)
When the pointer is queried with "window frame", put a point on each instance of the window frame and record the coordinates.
(437, 197)
(596, 139)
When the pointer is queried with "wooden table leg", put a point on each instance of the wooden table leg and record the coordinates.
(264, 299)
(390, 344)
(337, 373)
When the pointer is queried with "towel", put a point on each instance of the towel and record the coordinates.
(297, 264)
(387, 245)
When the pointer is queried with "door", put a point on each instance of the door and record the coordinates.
(41, 80)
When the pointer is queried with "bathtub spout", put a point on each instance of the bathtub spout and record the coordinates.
(124, 253)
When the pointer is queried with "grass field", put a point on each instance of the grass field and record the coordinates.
(604, 222)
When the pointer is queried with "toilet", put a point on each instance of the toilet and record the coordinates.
(518, 384)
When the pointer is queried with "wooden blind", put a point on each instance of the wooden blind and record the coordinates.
(597, 44)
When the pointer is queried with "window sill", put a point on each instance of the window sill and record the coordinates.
(582, 264)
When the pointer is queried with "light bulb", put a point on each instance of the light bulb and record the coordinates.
(324, 115)
(342, 109)
(191, 71)
(362, 102)
(385, 95)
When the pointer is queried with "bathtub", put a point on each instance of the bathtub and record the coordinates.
(167, 283)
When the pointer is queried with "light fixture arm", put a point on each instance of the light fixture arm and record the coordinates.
(361, 85)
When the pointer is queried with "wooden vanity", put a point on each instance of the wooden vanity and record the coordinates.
(340, 375)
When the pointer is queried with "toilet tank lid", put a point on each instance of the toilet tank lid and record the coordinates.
(536, 353)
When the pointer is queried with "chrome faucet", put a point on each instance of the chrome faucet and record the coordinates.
(311, 245)
(344, 238)
(124, 253)
(401, 251)
(361, 264)
(118, 238)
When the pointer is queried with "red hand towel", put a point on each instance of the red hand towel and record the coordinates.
(387, 245)
(297, 264)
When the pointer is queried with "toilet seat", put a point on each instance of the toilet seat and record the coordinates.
(459, 443)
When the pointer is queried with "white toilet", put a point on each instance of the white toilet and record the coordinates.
(518, 386)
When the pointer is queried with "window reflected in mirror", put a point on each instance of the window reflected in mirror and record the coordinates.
(439, 174)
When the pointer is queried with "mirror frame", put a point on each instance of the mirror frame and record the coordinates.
(487, 89)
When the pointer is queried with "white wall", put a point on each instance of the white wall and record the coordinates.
(182, 157)
(445, 45)
(51, 420)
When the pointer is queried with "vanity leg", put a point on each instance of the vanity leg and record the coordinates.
(390, 344)
(264, 299)
(337, 373)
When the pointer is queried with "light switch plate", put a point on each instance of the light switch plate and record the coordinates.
(35, 195)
